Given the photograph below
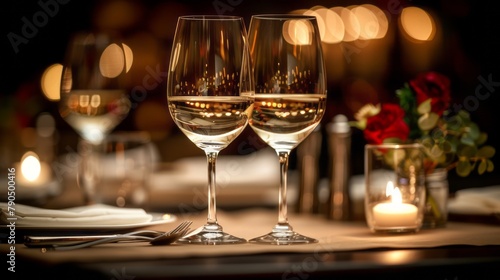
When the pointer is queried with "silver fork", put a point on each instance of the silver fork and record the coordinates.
(162, 238)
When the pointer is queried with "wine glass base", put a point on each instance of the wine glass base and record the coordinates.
(211, 234)
(283, 238)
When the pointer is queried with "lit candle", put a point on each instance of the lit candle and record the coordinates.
(31, 172)
(394, 213)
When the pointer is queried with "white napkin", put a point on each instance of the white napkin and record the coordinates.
(242, 180)
(93, 215)
(256, 170)
(476, 201)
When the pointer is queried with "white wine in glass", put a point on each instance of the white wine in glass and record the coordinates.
(93, 97)
(210, 93)
(290, 97)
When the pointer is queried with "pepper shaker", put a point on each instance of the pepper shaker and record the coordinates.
(308, 153)
(339, 146)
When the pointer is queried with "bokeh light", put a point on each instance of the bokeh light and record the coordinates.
(347, 24)
(51, 82)
(351, 23)
(297, 32)
(30, 166)
(417, 24)
(112, 61)
(45, 125)
(315, 12)
(383, 21)
(330, 25)
(129, 57)
(368, 22)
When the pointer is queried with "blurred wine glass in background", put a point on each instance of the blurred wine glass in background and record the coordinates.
(94, 99)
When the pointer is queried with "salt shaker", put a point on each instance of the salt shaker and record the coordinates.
(339, 146)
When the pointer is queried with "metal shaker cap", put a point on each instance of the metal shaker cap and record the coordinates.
(340, 124)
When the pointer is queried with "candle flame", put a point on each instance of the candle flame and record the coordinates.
(393, 192)
(30, 167)
(396, 196)
(389, 188)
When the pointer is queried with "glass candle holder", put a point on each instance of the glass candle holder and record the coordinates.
(395, 188)
(125, 162)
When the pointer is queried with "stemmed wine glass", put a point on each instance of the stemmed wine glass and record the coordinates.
(210, 95)
(290, 96)
(93, 96)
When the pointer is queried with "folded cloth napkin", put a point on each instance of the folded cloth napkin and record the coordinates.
(92, 215)
(256, 170)
(476, 201)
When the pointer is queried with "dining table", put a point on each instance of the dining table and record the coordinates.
(345, 250)
(467, 247)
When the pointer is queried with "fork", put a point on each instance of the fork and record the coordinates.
(154, 238)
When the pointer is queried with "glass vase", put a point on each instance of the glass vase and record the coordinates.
(436, 202)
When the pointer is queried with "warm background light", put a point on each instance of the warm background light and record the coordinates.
(336, 28)
(417, 24)
(129, 57)
(51, 82)
(320, 18)
(297, 32)
(383, 22)
(368, 22)
(112, 61)
(329, 23)
(351, 23)
(348, 24)
(30, 166)
(421, 39)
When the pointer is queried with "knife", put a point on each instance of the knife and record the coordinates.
(48, 241)
(58, 240)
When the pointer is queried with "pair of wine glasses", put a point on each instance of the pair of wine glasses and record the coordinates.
(219, 80)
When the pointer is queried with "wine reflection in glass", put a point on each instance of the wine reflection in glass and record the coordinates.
(290, 97)
(93, 98)
(210, 96)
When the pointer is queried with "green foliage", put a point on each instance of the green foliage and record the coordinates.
(408, 103)
(458, 142)
(464, 168)
(428, 121)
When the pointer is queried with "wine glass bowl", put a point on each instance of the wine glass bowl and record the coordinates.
(283, 121)
(290, 96)
(210, 96)
(93, 96)
(211, 123)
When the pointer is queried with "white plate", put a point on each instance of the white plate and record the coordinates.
(158, 219)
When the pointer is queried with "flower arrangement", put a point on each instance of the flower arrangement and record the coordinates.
(450, 140)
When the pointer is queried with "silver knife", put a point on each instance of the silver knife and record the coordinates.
(48, 241)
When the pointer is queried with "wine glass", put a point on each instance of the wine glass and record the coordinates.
(290, 96)
(210, 96)
(93, 97)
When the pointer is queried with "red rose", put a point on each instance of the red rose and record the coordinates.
(434, 86)
(388, 123)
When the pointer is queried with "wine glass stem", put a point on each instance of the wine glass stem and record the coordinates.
(212, 206)
(87, 175)
(282, 213)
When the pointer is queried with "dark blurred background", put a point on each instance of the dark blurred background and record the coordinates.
(466, 47)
